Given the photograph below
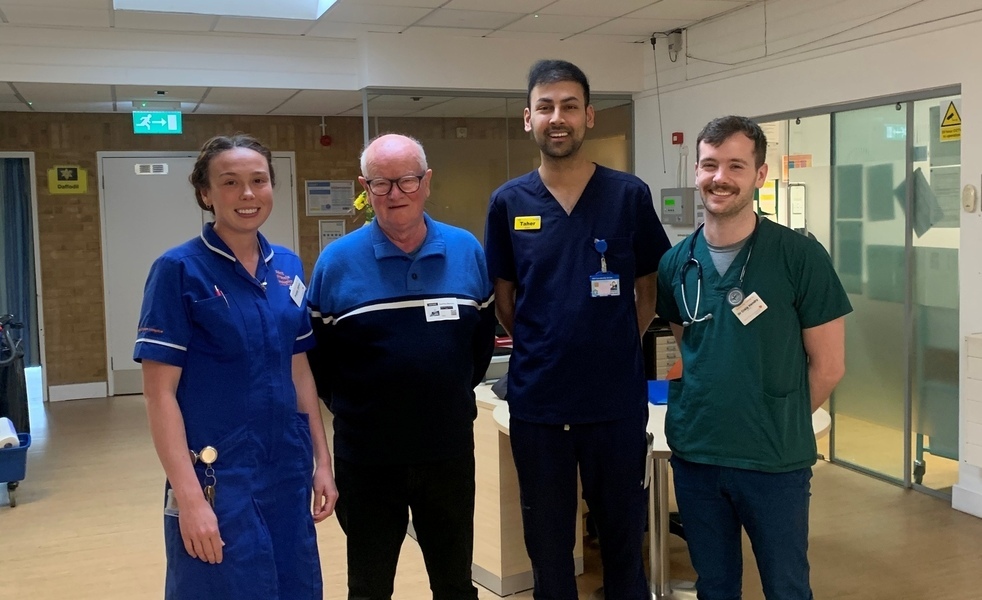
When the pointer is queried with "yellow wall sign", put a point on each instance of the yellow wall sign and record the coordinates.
(951, 123)
(528, 223)
(67, 179)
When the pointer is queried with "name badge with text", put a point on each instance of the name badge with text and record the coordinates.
(297, 291)
(442, 309)
(749, 309)
(528, 223)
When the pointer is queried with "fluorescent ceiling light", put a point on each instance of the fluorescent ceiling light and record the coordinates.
(308, 10)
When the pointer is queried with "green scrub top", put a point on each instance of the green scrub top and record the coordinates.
(744, 399)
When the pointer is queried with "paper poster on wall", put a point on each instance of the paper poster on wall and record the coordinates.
(330, 230)
(332, 197)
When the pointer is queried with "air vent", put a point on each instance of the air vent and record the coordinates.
(151, 169)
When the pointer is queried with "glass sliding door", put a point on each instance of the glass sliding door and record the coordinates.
(934, 373)
(869, 240)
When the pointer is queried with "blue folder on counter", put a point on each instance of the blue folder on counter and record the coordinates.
(658, 391)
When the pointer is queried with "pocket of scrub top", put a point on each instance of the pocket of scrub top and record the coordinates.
(217, 330)
(620, 256)
(784, 421)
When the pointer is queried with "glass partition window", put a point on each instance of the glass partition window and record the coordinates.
(476, 143)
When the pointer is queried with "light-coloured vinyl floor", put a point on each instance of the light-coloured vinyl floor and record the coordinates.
(88, 525)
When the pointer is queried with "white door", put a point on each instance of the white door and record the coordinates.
(148, 206)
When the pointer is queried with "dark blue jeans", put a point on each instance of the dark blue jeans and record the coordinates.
(714, 502)
(611, 461)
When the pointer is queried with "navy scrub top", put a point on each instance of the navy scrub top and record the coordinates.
(576, 358)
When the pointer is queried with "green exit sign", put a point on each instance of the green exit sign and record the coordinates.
(156, 122)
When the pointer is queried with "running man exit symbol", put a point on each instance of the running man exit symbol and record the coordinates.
(157, 122)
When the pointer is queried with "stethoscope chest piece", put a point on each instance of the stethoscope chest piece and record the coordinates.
(735, 296)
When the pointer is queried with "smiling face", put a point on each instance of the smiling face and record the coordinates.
(726, 176)
(239, 191)
(393, 157)
(558, 117)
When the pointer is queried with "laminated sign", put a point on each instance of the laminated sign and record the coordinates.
(67, 179)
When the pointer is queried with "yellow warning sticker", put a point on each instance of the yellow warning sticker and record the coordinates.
(951, 123)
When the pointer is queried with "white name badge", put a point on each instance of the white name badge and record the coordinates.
(441, 309)
(170, 507)
(749, 309)
(297, 290)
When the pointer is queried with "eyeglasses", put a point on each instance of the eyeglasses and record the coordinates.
(407, 184)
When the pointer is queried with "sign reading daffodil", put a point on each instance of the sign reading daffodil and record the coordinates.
(67, 179)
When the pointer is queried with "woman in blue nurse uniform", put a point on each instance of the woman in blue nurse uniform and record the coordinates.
(231, 402)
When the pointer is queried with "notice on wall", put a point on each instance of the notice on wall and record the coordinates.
(67, 179)
(330, 230)
(951, 121)
(333, 197)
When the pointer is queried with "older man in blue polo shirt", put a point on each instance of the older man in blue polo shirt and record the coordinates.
(402, 313)
(573, 248)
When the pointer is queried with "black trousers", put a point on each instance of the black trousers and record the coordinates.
(611, 459)
(373, 509)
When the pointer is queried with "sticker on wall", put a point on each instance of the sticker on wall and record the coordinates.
(951, 122)
(67, 179)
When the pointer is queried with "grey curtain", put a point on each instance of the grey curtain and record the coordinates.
(18, 285)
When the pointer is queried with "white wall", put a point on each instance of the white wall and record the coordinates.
(902, 52)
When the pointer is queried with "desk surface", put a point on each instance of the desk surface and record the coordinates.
(821, 422)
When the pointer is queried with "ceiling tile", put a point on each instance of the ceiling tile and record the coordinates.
(637, 27)
(686, 10)
(127, 19)
(519, 6)
(267, 26)
(331, 29)
(469, 19)
(58, 16)
(83, 4)
(320, 102)
(425, 4)
(49, 93)
(592, 8)
(454, 31)
(367, 13)
(562, 24)
(593, 38)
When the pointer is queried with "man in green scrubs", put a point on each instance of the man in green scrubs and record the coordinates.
(759, 315)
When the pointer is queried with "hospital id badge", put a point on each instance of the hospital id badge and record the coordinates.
(297, 290)
(442, 309)
(749, 309)
(603, 285)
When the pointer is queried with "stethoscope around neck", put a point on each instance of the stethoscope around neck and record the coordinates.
(734, 297)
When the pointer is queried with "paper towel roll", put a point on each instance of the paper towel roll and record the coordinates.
(8, 435)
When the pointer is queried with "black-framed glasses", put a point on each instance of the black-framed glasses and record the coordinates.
(408, 184)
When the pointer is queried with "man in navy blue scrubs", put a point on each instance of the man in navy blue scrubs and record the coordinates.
(572, 249)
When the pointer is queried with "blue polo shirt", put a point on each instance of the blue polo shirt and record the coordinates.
(233, 337)
(402, 339)
(576, 358)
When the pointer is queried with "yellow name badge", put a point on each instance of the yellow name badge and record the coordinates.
(528, 223)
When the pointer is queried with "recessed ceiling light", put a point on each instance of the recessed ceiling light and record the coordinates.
(309, 10)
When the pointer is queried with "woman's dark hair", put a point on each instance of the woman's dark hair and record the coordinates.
(554, 71)
(719, 130)
(214, 147)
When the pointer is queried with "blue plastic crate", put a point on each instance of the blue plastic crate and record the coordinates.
(658, 391)
(13, 461)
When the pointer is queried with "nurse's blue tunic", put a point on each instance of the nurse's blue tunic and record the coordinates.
(234, 337)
